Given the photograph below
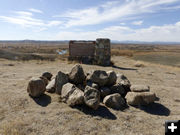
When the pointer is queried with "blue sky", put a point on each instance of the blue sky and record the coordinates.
(140, 20)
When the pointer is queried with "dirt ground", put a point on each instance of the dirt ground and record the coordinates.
(20, 114)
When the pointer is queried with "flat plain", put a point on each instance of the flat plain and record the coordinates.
(22, 115)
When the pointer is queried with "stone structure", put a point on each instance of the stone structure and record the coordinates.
(93, 52)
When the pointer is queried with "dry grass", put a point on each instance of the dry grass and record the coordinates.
(118, 52)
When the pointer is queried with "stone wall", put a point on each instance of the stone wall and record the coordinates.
(91, 52)
(102, 52)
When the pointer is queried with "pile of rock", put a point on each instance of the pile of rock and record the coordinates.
(77, 87)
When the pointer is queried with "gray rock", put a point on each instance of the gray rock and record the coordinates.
(91, 84)
(111, 78)
(61, 79)
(92, 97)
(77, 75)
(104, 91)
(36, 87)
(47, 75)
(72, 95)
(118, 88)
(114, 101)
(140, 88)
(140, 98)
(100, 77)
(123, 80)
(51, 86)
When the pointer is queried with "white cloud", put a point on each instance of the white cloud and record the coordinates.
(169, 32)
(114, 10)
(137, 22)
(35, 10)
(26, 19)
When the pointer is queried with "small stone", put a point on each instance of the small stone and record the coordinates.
(104, 91)
(140, 88)
(47, 75)
(51, 86)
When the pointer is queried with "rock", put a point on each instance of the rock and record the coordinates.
(77, 75)
(45, 80)
(111, 78)
(139, 64)
(72, 95)
(81, 87)
(114, 101)
(47, 75)
(140, 98)
(92, 97)
(100, 77)
(118, 88)
(60, 80)
(123, 80)
(51, 86)
(140, 88)
(104, 91)
(36, 87)
(94, 85)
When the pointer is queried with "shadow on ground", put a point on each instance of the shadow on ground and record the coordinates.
(156, 109)
(122, 68)
(102, 112)
(43, 100)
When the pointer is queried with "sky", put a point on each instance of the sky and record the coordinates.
(123, 20)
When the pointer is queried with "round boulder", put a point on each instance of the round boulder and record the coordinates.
(36, 87)
(111, 78)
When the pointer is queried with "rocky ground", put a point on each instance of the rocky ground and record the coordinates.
(21, 114)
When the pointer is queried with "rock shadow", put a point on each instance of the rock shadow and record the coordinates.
(102, 112)
(43, 100)
(122, 68)
(156, 109)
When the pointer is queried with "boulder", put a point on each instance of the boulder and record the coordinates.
(45, 80)
(100, 77)
(61, 79)
(140, 98)
(72, 95)
(77, 75)
(92, 97)
(104, 91)
(115, 101)
(51, 86)
(111, 78)
(118, 88)
(91, 84)
(140, 88)
(47, 75)
(123, 80)
(36, 87)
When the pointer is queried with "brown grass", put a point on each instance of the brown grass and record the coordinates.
(118, 52)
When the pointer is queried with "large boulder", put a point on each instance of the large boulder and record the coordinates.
(92, 97)
(36, 87)
(104, 91)
(123, 80)
(111, 78)
(115, 101)
(100, 77)
(47, 75)
(140, 88)
(77, 75)
(61, 79)
(140, 98)
(72, 95)
(118, 88)
(51, 86)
